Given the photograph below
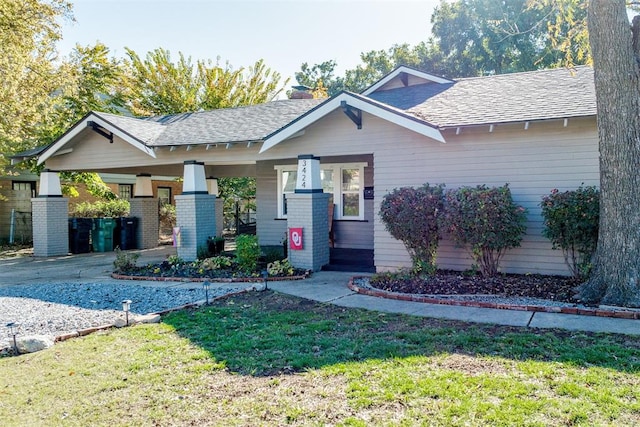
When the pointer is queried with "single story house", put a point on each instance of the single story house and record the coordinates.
(534, 130)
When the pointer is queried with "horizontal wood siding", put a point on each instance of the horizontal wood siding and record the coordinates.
(533, 162)
(271, 231)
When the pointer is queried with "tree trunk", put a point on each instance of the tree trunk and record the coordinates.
(615, 276)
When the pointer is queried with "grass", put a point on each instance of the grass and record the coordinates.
(270, 359)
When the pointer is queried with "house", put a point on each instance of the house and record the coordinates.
(534, 130)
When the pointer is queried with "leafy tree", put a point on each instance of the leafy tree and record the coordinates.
(486, 221)
(480, 37)
(471, 38)
(320, 74)
(411, 216)
(156, 85)
(615, 278)
(29, 30)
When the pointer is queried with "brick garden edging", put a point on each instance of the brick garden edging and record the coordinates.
(602, 311)
(210, 279)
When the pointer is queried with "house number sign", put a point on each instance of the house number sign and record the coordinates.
(308, 180)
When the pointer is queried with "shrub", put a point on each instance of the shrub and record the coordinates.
(216, 263)
(280, 268)
(247, 252)
(125, 261)
(571, 223)
(101, 209)
(411, 216)
(486, 221)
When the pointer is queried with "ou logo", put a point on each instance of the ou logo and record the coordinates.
(295, 237)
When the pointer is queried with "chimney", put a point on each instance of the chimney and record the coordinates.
(301, 92)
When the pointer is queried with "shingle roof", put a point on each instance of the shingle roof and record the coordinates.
(528, 96)
(250, 123)
(145, 131)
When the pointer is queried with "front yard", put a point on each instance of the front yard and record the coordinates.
(269, 359)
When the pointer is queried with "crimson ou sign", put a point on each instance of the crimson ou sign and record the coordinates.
(295, 239)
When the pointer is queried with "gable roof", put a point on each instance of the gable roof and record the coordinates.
(240, 124)
(517, 97)
(404, 76)
(359, 102)
(409, 98)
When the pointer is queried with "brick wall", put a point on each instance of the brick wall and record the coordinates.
(197, 222)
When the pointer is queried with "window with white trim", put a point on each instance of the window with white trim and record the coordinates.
(343, 181)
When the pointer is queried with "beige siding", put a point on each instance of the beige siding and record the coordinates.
(533, 162)
(548, 155)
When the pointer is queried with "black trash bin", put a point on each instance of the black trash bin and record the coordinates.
(126, 232)
(79, 232)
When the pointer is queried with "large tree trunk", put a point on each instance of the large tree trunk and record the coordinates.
(615, 277)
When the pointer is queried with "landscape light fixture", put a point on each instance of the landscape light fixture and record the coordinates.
(265, 274)
(13, 331)
(206, 285)
(126, 305)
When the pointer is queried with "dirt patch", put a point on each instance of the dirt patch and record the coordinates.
(553, 288)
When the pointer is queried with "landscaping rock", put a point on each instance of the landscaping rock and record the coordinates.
(148, 318)
(33, 343)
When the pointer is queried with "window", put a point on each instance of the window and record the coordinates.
(125, 191)
(164, 195)
(344, 182)
(24, 186)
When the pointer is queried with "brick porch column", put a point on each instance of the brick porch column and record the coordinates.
(50, 217)
(308, 209)
(145, 207)
(195, 211)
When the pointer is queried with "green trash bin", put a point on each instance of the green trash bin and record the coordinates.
(102, 234)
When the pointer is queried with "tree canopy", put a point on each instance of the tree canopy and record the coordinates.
(474, 38)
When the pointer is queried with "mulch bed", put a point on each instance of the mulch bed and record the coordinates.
(553, 288)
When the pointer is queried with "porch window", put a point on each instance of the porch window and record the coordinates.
(342, 181)
(164, 195)
(125, 191)
(29, 186)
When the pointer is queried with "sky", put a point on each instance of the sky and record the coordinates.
(283, 33)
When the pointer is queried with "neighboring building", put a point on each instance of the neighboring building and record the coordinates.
(535, 130)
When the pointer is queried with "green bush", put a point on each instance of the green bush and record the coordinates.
(280, 268)
(125, 261)
(486, 221)
(101, 209)
(571, 223)
(411, 216)
(216, 263)
(247, 252)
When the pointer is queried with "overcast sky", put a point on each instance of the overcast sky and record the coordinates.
(283, 33)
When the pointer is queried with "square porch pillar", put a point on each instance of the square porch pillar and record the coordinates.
(309, 212)
(196, 217)
(145, 208)
(307, 209)
(195, 211)
(50, 215)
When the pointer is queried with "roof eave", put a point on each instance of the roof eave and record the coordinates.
(81, 125)
(365, 104)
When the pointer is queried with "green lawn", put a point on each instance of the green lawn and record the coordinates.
(269, 359)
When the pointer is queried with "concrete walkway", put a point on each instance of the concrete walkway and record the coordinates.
(326, 286)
